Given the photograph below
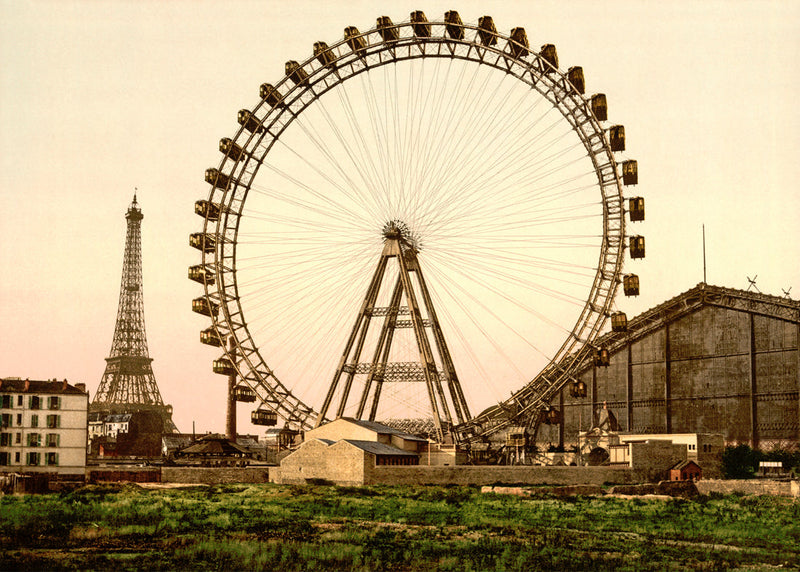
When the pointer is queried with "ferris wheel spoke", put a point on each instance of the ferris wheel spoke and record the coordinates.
(491, 167)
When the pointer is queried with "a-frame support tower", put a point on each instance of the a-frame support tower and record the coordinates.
(434, 365)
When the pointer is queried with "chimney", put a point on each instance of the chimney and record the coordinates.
(81, 387)
(65, 384)
(27, 384)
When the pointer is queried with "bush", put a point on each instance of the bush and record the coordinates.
(740, 461)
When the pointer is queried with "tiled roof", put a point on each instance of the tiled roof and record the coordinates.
(16, 385)
(383, 429)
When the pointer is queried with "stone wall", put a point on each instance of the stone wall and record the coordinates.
(214, 475)
(750, 487)
(489, 475)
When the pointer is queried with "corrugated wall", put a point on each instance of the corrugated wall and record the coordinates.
(716, 370)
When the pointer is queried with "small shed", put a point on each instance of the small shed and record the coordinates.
(686, 471)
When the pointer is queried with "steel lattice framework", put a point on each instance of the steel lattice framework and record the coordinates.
(331, 66)
(128, 383)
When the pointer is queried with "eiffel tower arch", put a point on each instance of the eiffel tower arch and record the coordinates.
(128, 384)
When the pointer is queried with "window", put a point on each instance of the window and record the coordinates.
(33, 402)
(52, 439)
(19, 438)
(5, 459)
(19, 404)
(52, 459)
(7, 402)
(34, 420)
(54, 421)
(16, 457)
(33, 459)
(5, 420)
(19, 419)
(54, 402)
(34, 439)
(5, 439)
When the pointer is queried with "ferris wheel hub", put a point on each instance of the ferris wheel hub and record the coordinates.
(396, 229)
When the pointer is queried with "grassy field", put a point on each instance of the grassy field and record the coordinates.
(266, 527)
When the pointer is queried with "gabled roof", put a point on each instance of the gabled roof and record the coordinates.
(379, 448)
(383, 429)
(683, 464)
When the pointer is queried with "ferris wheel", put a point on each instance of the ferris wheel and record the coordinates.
(417, 221)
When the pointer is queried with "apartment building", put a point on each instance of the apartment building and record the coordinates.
(43, 426)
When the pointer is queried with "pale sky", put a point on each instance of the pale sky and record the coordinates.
(99, 98)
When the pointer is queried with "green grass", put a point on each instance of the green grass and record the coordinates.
(252, 527)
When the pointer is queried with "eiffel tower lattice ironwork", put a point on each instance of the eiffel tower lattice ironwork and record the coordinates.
(128, 384)
(433, 366)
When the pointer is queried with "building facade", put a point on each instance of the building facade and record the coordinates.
(712, 360)
(44, 426)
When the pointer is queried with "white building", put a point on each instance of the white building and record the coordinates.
(43, 426)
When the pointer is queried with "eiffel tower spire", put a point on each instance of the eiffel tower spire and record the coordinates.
(128, 384)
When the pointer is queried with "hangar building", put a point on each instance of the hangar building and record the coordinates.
(711, 360)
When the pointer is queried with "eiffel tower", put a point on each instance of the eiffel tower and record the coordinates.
(128, 384)
(432, 364)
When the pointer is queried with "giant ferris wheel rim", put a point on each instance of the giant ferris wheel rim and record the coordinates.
(269, 122)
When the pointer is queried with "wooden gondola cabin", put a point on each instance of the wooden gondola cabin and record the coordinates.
(599, 106)
(577, 389)
(202, 241)
(218, 179)
(203, 306)
(630, 284)
(249, 121)
(601, 357)
(454, 25)
(244, 394)
(487, 32)
(199, 273)
(387, 30)
(549, 55)
(619, 322)
(356, 42)
(630, 172)
(636, 209)
(420, 24)
(296, 73)
(518, 44)
(207, 209)
(210, 337)
(324, 55)
(223, 366)
(264, 417)
(616, 138)
(575, 77)
(271, 95)
(636, 244)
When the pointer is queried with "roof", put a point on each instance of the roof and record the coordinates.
(384, 429)
(683, 464)
(213, 445)
(118, 418)
(18, 385)
(176, 441)
(379, 448)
